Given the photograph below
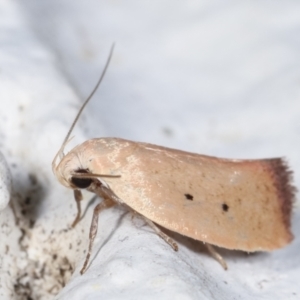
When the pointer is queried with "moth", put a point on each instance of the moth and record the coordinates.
(235, 204)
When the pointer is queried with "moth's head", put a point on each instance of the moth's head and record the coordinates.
(70, 172)
(69, 169)
(73, 169)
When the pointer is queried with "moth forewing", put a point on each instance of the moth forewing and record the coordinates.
(235, 204)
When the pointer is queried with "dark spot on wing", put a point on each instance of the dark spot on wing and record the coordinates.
(225, 207)
(189, 197)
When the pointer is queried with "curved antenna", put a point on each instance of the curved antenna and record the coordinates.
(60, 152)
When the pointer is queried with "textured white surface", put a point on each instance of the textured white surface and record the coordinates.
(5, 182)
(214, 77)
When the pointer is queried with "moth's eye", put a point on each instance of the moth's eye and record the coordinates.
(81, 183)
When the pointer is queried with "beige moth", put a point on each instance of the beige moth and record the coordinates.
(235, 204)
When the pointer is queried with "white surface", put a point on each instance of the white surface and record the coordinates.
(214, 77)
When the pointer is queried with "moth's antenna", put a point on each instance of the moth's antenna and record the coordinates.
(60, 152)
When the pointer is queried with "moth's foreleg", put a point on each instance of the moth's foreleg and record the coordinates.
(217, 256)
(78, 197)
(106, 203)
(162, 235)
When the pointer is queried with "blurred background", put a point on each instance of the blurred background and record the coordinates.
(205, 76)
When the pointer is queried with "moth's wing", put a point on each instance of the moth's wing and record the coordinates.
(236, 204)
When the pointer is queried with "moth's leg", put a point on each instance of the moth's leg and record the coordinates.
(106, 203)
(166, 238)
(133, 214)
(78, 198)
(217, 256)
